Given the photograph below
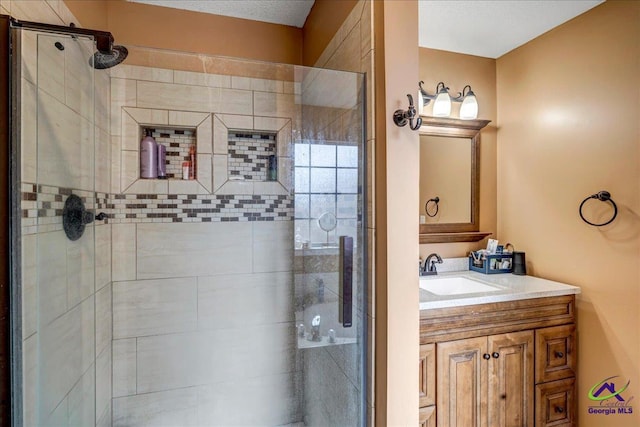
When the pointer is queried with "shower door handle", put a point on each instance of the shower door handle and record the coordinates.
(345, 300)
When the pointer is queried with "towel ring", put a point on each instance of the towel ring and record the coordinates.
(435, 200)
(603, 196)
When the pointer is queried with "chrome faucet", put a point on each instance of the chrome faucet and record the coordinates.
(429, 268)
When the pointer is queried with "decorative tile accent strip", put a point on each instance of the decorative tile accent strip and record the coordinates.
(42, 207)
(177, 142)
(249, 154)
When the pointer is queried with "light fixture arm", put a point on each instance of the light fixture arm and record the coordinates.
(402, 117)
(462, 94)
(440, 87)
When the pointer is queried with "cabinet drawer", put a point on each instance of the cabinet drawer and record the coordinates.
(555, 403)
(427, 369)
(427, 416)
(555, 353)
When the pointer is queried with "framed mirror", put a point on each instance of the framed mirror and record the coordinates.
(450, 180)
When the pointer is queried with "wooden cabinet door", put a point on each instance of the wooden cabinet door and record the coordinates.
(462, 383)
(510, 380)
(556, 404)
(555, 353)
(428, 417)
(427, 369)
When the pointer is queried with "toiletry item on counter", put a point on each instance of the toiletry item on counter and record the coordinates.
(272, 168)
(148, 157)
(186, 170)
(192, 161)
(519, 264)
(162, 162)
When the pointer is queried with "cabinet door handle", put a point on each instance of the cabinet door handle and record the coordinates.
(559, 354)
(486, 356)
(559, 409)
(503, 396)
(495, 354)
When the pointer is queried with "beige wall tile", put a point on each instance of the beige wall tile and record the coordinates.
(35, 11)
(285, 172)
(234, 101)
(243, 83)
(68, 344)
(167, 408)
(266, 187)
(103, 255)
(205, 177)
(236, 187)
(204, 136)
(233, 121)
(29, 55)
(273, 246)
(123, 94)
(28, 132)
(64, 138)
(130, 134)
(198, 249)
(148, 186)
(102, 97)
(80, 267)
(79, 76)
(150, 307)
(265, 85)
(135, 72)
(124, 367)
(185, 118)
(123, 256)
(103, 386)
(102, 156)
(220, 170)
(52, 275)
(220, 136)
(285, 143)
(148, 115)
(244, 300)
(51, 70)
(201, 79)
(168, 362)
(275, 105)
(103, 319)
(29, 285)
(177, 97)
(116, 163)
(186, 186)
(30, 380)
(130, 169)
(270, 124)
(81, 400)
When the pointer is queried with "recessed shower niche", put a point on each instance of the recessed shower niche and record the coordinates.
(180, 151)
(252, 156)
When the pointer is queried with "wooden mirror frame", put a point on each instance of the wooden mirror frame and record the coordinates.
(465, 231)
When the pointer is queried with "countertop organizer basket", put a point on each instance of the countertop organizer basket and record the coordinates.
(492, 264)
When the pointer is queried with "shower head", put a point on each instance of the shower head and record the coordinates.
(107, 59)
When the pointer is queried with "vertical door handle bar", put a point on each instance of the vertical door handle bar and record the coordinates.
(345, 300)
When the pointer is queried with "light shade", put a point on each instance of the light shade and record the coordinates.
(469, 107)
(442, 104)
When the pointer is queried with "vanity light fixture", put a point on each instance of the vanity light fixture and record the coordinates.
(442, 101)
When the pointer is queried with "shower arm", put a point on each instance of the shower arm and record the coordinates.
(104, 39)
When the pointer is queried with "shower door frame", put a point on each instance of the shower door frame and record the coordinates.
(6, 359)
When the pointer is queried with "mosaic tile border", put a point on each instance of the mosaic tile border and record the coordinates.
(42, 207)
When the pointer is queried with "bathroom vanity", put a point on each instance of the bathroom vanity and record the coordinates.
(496, 350)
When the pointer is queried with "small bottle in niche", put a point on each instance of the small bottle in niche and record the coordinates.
(148, 156)
(192, 161)
(162, 161)
(272, 168)
(186, 170)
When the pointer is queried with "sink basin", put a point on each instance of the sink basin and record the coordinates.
(454, 286)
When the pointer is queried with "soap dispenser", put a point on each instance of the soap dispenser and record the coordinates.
(148, 157)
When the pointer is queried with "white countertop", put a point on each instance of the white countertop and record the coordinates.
(510, 288)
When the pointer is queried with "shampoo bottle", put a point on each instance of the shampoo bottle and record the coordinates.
(162, 161)
(148, 157)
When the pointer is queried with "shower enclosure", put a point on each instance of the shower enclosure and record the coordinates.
(235, 297)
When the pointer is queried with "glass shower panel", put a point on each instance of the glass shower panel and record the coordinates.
(329, 247)
(63, 85)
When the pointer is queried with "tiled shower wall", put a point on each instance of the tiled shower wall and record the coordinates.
(203, 283)
(66, 285)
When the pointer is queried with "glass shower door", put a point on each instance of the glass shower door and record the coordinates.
(329, 248)
(58, 259)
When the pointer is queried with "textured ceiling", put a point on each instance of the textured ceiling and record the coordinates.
(488, 28)
(285, 12)
(492, 28)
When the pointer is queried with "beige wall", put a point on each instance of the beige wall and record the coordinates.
(568, 108)
(397, 175)
(456, 71)
(136, 24)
